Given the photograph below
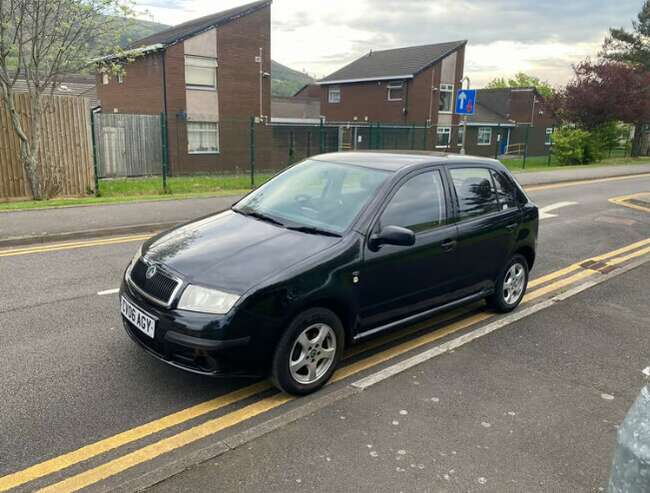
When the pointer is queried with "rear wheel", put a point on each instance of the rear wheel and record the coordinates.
(308, 352)
(511, 285)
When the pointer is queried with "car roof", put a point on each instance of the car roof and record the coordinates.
(397, 160)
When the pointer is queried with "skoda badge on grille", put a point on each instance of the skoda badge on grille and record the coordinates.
(151, 271)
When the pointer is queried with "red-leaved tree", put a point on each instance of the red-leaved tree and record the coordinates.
(606, 91)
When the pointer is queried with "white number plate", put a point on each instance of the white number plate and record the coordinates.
(138, 318)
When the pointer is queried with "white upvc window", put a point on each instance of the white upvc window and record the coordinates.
(484, 136)
(461, 136)
(443, 137)
(334, 94)
(395, 90)
(202, 137)
(548, 138)
(200, 72)
(446, 98)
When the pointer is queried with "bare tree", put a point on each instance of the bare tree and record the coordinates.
(40, 42)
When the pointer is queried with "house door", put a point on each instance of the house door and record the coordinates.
(505, 140)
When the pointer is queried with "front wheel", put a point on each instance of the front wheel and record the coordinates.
(510, 286)
(308, 352)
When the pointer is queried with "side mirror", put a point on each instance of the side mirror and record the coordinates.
(392, 235)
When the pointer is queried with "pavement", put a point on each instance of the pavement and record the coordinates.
(71, 223)
(532, 407)
(80, 399)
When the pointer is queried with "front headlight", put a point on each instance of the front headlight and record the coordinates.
(198, 299)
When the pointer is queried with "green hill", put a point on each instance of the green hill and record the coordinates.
(284, 80)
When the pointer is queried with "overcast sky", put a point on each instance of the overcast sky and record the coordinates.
(542, 37)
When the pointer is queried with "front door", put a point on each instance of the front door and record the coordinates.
(398, 281)
(505, 139)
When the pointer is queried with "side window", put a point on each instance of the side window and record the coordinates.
(418, 205)
(506, 194)
(475, 191)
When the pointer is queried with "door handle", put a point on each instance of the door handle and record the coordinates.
(448, 245)
(512, 226)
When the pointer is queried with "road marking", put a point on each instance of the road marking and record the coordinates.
(108, 291)
(94, 449)
(624, 201)
(71, 245)
(552, 186)
(544, 211)
(116, 466)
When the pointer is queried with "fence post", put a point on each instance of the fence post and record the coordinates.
(412, 136)
(95, 165)
(424, 137)
(163, 138)
(292, 143)
(525, 146)
(550, 153)
(498, 141)
(309, 143)
(252, 150)
(321, 136)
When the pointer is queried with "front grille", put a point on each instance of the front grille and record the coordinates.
(160, 287)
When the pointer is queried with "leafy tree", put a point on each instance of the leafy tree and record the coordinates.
(605, 92)
(632, 48)
(40, 42)
(522, 79)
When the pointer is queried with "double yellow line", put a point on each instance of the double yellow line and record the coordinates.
(551, 282)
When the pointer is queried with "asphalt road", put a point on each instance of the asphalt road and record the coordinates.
(72, 377)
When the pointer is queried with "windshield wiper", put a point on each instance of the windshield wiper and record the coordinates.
(313, 230)
(258, 215)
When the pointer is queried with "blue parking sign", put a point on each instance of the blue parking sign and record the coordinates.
(466, 102)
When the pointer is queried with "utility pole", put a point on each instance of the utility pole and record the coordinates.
(260, 60)
(463, 149)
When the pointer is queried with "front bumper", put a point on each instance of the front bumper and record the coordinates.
(192, 342)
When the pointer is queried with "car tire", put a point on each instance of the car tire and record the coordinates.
(308, 352)
(510, 286)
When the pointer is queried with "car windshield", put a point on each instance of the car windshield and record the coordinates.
(315, 194)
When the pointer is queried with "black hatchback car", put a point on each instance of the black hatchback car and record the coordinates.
(333, 250)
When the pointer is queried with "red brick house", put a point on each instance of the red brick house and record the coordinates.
(209, 76)
(410, 85)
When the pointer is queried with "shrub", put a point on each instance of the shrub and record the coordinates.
(569, 145)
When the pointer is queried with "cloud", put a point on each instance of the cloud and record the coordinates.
(543, 37)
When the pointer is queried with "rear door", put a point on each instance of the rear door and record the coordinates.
(488, 219)
(397, 281)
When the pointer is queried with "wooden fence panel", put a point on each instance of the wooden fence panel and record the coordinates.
(65, 153)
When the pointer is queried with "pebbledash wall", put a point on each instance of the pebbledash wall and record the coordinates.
(237, 98)
(361, 100)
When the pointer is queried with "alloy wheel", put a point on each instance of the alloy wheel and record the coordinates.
(513, 283)
(313, 353)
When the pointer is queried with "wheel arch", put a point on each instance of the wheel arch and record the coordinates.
(528, 253)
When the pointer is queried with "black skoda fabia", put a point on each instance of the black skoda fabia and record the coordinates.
(333, 250)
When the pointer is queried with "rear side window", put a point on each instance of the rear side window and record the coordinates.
(506, 194)
(418, 205)
(475, 191)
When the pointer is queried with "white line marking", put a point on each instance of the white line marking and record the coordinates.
(108, 291)
(482, 331)
(544, 211)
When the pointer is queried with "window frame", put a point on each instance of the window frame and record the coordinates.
(395, 85)
(207, 61)
(198, 153)
(548, 136)
(438, 132)
(459, 141)
(494, 174)
(332, 90)
(450, 208)
(450, 89)
(478, 136)
(454, 194)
